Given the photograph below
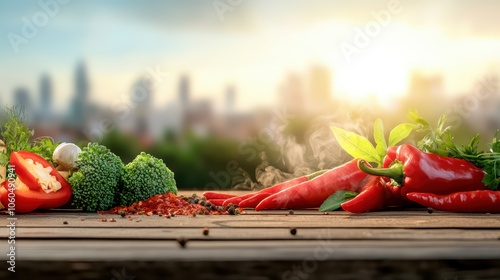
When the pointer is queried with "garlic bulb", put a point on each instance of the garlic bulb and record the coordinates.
(66, 155)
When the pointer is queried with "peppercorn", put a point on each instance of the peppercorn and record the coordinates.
(208, 204)
(429, 210)
(123, 213)
(213, 208)
(291, 212)
(220, 208)
(202, 202)
(293, 231)
(194, 214)
(231, 211)
(205, 231)
(237, 212)
(196, 200)
(182, 242)
(65, 222)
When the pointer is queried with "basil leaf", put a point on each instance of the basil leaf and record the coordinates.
(400, 132)
(356, 145)
(378, 134)
(334, 201)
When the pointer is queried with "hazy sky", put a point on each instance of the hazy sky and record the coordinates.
(254, 47)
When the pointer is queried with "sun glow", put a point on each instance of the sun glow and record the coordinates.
(378, 74)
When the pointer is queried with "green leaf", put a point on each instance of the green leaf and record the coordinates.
(414, 116)
(400, 132)
(356, 145)
(334, 201)
(378, 134)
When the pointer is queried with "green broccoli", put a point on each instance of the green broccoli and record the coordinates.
(98, 178)
(144, 177)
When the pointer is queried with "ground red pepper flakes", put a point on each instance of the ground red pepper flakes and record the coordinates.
(168, 205)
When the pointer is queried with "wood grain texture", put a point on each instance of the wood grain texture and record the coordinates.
(278, 219)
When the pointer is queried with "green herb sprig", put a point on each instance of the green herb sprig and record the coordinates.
(17, 135)
(439, 140)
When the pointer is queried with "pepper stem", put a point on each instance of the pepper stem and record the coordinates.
(395, 171)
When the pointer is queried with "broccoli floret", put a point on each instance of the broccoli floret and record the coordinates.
(97, 180)
(144, 177)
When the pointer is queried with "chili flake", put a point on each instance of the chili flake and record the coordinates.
(169, 205)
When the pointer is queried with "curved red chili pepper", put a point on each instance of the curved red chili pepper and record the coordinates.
(312, 193)
(371, 197)
(482, 201)
(377, 194)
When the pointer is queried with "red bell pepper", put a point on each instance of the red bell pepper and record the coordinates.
(417, 171)
(38, 186)
(312, 193)
(483, 201)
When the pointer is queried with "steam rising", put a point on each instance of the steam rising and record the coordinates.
(320, 151)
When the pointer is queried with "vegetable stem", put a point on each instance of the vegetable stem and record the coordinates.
(395, 171)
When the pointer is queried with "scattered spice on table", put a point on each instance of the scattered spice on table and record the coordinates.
(170, 205)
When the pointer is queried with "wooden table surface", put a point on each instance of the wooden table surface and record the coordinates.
(402, 244)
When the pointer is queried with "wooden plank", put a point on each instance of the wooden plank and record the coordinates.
(96, 250)
(259, 269)
(220, 234)
(369, 220)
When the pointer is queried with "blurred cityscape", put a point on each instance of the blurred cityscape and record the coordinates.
(246, 98)
(267, 145)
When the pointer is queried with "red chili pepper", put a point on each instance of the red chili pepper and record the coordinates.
(377, 194)
(217, 201)
(312, 193)
(37, 184)
(271, 190)
(254, 200)
(236, 200)
(217, 195)
(416, 171)
(371, 197)
(482, 201)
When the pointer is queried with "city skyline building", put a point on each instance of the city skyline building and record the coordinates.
(79, 105)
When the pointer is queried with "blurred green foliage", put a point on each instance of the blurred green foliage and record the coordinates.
(192, 158)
